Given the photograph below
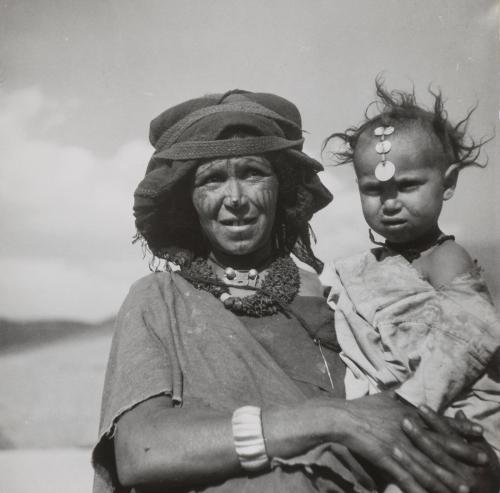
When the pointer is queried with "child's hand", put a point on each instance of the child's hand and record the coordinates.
(469, 430)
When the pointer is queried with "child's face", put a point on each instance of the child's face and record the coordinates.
(406, 207)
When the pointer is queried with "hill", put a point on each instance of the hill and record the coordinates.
(52, 377)
(19, 335)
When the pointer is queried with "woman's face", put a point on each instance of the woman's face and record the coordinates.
(235, 199)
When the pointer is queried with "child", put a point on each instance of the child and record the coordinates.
(414, 314)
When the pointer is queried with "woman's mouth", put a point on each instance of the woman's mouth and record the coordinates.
(238, 223)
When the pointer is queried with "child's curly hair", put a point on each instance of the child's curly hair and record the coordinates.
(400, 108)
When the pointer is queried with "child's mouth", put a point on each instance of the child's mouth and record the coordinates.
(393, 222)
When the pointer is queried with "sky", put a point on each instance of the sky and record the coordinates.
(80, 82)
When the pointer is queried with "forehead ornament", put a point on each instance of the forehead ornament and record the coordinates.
(385, 169)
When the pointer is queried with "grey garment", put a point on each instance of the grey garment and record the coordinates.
(173, 339)
(296, 349)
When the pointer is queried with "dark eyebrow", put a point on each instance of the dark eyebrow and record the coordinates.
(203, 168)
(201, 175)
(257, 162)
(406, 178)
(368, 181)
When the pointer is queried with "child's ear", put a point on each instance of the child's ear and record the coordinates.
(450, 181)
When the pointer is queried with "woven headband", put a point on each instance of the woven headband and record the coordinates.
(173, 133)
(230, 147)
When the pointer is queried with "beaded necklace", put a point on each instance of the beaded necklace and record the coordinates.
(413, 250)
(279, 287)
(277, 290)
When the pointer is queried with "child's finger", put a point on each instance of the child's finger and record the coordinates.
(464, 427)
(460, 416)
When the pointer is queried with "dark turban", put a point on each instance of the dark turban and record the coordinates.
(197, 130)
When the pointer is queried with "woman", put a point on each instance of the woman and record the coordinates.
(224, 375)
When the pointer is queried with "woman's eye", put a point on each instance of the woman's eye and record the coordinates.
(213, 178)
(251, 173)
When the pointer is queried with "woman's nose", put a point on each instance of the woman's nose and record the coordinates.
(234, 196)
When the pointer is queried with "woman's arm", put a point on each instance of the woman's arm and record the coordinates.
(156, 444)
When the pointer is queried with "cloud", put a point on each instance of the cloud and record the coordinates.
(67, 222)
(65, 214)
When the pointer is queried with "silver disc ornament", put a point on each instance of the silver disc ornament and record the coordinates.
(384, 170)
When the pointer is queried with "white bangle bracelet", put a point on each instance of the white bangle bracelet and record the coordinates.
(249, 439)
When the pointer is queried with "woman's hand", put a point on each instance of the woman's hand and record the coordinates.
(420, 451)
(372, 430)
(458, 457)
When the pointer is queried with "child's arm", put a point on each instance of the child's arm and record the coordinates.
(444, 263)
(466, 329)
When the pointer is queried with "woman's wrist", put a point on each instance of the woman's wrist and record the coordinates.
(294, 430)
(248, 438)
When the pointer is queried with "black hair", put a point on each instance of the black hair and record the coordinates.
(174, 233)
(401, 109)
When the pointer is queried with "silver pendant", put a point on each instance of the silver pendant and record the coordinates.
(384, 170)
(238, 278)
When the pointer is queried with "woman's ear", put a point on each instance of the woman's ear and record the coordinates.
(450, 181)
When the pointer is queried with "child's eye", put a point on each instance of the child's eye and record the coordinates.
(408, 186)
(370, 189)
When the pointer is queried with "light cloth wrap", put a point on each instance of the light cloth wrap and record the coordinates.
(435, 346)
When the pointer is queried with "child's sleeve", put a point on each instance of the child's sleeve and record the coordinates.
(458, 349)
(482, 403)
(361, 375)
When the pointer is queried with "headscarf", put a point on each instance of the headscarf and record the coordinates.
(196, 130)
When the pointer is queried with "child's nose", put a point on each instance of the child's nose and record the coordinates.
(391, 205)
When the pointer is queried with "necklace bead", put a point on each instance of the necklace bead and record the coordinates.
(230, 273)
(229, 302)
(224, 296)
(252, 274)
(278, 288)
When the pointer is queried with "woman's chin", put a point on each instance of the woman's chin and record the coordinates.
(242, 249)
(243, 252)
